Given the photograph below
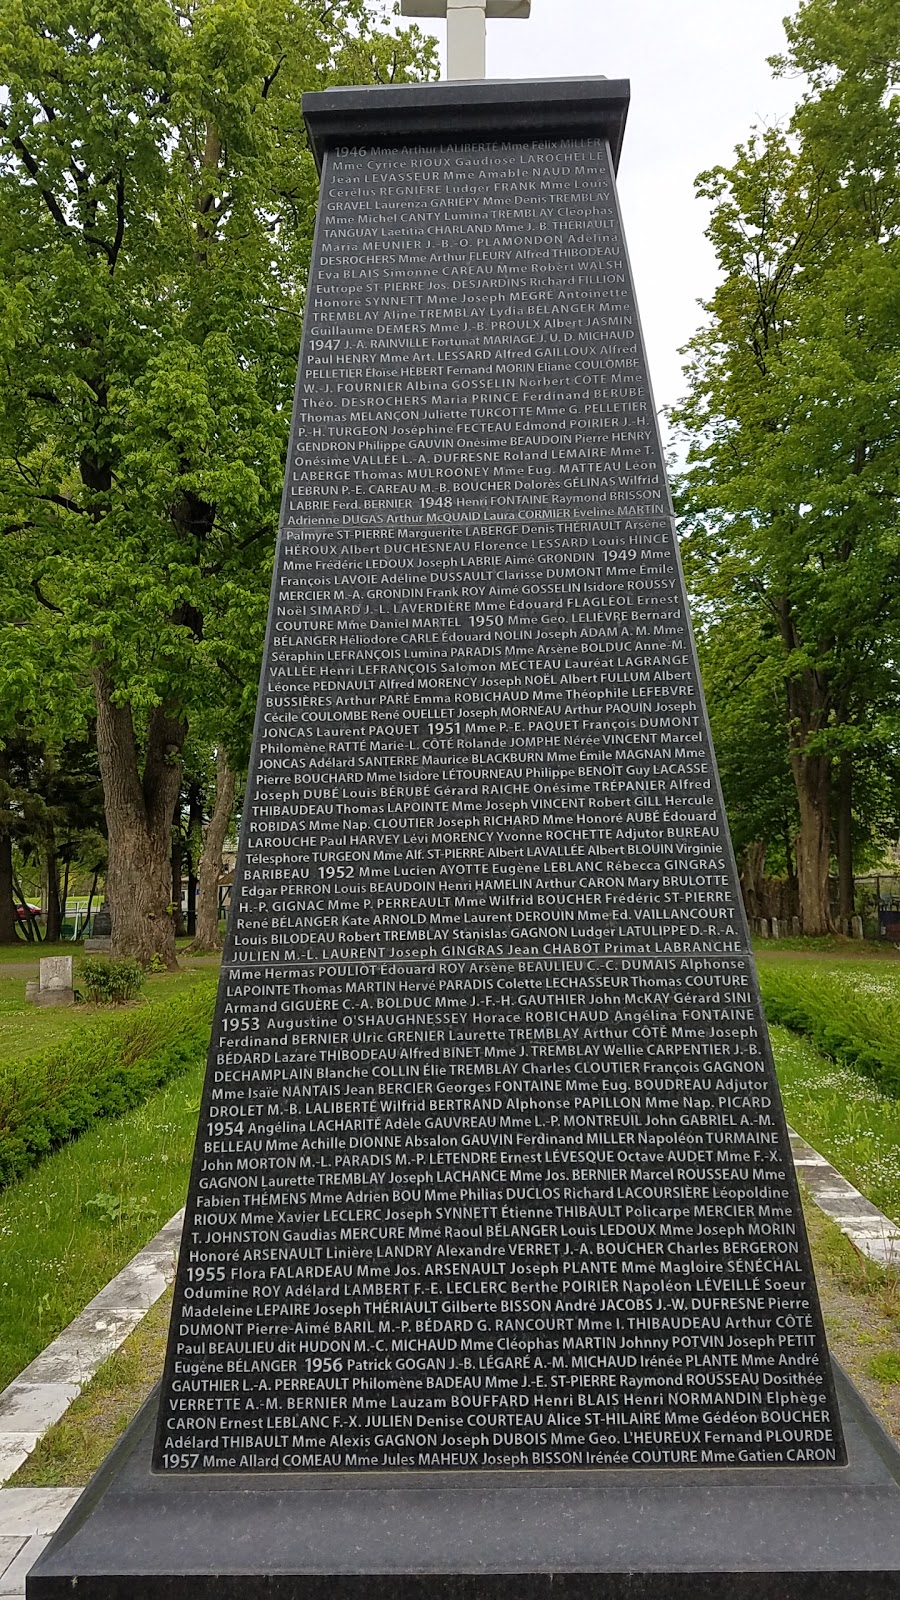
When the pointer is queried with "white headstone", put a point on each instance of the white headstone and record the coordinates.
(56, 972)
(466, 42)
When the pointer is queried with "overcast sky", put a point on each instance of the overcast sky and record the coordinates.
(699, 80)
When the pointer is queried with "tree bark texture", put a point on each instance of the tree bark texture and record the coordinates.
(8, 918)
(195, 845)
(139, 806)
(844, 830)
(812, 776)
(208, 936)
(809, 708)
(54, 909)
(177, 869)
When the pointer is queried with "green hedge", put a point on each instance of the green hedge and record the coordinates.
(857, 1026)
(97, 1072)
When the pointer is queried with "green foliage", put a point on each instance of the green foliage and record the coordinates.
(98, 1072)
(48, 1238)
(792, 483)
(107, 982)
(886, 1366)
(743, 686)
(852, 1020)
(157, 204)
(116, 1209)
(844, 1116)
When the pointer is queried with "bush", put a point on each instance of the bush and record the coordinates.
(853, 1018)
(97, 1072)
(108, 982)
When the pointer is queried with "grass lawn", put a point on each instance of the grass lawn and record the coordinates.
(22, 953)
(71, 1224)
(26, 1029)
(861, 1307)
(832, 944)
(77, 1444)
(843, 1116)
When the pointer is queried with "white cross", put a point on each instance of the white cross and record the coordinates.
(466, 51)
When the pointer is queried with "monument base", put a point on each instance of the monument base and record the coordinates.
(809, 1533)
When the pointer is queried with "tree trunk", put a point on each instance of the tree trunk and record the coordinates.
(812, 776)
(846, 884)
(809, 710)
(64, 897)
(195, 846)
(54, 916)
(87, 916)
(208, 937)
(753, 876)
(8, 918)
(139, 808)
(28, 926)
(177, 870)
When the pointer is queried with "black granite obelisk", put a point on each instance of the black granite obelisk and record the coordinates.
(494, 1278)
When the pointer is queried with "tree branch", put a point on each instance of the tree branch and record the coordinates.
(268, 82)
(120, 219)
(48, 604)
(31, 166)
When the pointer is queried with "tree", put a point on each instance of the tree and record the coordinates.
(156, 207)
(207, 927)
(794, 471)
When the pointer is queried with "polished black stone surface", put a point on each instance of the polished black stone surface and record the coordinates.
(806, 1534)
(492, 1171)
(441, 113)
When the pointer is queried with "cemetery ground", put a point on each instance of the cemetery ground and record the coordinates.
(71, 1223)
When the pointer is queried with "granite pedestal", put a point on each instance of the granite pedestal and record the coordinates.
(803, 1534)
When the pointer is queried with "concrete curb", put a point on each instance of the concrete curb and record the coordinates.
(874, 1234)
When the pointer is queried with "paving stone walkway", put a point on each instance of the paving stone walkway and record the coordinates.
(865, 1226)
(27, 1519)
(48, 1385)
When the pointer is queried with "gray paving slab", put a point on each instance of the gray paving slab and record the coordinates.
(34, 1407)
(27, 1511)
(12, 1582)
(872, 1233)
(14, 1449)
(9, 1549)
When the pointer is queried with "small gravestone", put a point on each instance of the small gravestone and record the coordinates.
(55, 987)
(776, 930)
(795, 927)
(856, 928)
